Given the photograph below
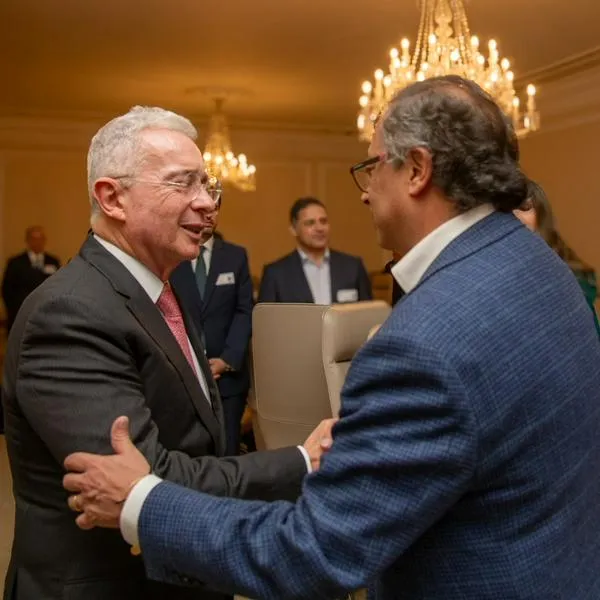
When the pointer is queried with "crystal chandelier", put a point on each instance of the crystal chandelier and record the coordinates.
(445, 47)
(221, 163)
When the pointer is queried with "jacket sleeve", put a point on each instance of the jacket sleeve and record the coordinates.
(404, 451)
(268, 290)
(8, 283)
(364, 283)
(77, 374)
(238, 337)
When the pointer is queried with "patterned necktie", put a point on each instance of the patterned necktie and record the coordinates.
(167, 304)
(201, 272)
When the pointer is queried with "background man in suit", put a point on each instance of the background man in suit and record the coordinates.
(313, 272)
(465, 462)
(107, 336)
(25, 271)
(218, 288)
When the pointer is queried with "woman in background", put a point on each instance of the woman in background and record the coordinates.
(536, 214)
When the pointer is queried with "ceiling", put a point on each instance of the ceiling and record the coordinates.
(295, 62)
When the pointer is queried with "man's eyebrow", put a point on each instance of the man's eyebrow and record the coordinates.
(180, 172)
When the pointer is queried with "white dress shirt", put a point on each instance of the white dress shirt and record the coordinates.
(37, 260)
(153, 286)
(412, 266)
(318, 277)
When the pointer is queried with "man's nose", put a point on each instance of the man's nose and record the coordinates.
(204, 201)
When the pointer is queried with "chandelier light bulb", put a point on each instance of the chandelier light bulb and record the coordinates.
(442, 48)
(220, 160)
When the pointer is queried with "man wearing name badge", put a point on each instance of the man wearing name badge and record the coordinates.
(314, 273)
(107, 335)
(218, 289)
(465, 462)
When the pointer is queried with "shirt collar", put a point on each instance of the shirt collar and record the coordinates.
(411, 267)
(305, 258)
(152, 285)
(209, 244)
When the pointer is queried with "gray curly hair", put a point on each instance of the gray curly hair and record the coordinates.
(473, 145)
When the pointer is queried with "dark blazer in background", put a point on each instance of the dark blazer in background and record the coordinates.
(284, 280)
(225, 314)
(90, 345)
(20, 279)
(465, 462)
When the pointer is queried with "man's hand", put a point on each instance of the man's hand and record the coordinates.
(319, 442)
(217, 367)
(102, 483)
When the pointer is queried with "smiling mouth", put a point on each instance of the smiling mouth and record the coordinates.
(195, 229)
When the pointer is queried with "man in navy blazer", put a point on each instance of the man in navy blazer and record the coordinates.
(221, 304)
(313, 272)
(465, 462)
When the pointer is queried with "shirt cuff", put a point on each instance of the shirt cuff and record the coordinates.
(132, 508)
(306, 457)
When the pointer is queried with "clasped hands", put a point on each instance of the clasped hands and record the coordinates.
(100, 484)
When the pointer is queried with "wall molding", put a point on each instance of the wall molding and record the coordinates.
(568, 96)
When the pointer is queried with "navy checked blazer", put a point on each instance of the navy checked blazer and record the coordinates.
(465, 466)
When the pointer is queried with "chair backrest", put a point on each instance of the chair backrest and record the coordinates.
(290, 395)
(346, 328)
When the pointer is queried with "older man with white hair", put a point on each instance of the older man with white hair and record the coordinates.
(105, 336)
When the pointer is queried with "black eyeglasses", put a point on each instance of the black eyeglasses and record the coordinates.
(361, 172)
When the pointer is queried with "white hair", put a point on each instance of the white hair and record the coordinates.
(114, 150)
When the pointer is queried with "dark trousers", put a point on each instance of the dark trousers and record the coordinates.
(233, 409)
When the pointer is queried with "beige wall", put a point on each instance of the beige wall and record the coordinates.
(567, 164)
(42, 181)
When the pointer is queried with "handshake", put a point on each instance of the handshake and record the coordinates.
(101, 484)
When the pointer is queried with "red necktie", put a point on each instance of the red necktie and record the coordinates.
(167, 304)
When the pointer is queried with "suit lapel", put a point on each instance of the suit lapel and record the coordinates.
(334, 275)
(297, 279)
(213, 419)
(213, 271)
(149, 317)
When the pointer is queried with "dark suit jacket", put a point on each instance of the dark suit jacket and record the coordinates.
(20, 279)
(285, 281)
(465, 462)
(87, 346)
(225, 315)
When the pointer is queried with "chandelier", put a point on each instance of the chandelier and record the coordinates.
(221, 163)
(445, 47)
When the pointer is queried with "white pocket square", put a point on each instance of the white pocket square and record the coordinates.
(225, 279)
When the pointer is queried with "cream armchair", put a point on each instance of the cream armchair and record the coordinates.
(289, 396)
(346, 327)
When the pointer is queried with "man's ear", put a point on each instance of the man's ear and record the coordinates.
(293, 231)
(420, 163)
(107, 193)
